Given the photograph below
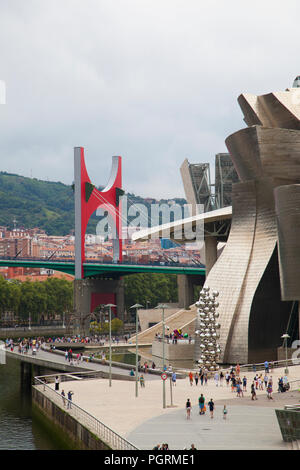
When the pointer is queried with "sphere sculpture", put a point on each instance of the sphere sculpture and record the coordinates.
(208, 329)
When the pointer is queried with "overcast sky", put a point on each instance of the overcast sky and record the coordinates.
(154, 81)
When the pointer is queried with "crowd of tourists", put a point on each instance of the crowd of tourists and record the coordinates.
(94, 339)
(25, 345)
(238, 385)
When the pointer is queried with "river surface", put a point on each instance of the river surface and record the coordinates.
(18, 430)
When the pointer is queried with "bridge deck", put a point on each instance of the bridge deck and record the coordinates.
(94, 269)
(57, 362)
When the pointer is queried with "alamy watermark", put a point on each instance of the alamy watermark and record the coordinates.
(176, 218)
(2, 92)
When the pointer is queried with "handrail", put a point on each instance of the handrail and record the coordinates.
(292, 382)
(272, 364)
(109, 436)
(292, 407)
(159, 324)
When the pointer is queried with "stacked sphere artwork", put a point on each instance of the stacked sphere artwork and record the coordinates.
(208, 332)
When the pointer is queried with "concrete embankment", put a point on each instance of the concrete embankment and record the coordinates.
(71, 431)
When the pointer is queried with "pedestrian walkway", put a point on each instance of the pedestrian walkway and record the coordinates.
(245, 428)
(144, 422)
(56, 361)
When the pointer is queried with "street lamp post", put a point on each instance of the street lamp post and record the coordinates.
(285, 337)
(163, 307)
(136, 306)
(110, 307)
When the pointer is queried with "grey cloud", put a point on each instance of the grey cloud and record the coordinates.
(153, 81)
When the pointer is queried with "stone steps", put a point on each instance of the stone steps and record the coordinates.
(183, 319)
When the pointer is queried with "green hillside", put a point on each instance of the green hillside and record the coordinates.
(36, 203)
(44, 204)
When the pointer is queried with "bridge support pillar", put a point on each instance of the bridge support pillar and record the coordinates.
(89, 293)
(186, 288)
(26, 374)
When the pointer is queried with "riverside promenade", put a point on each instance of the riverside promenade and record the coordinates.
(143, 421)
(56, 361)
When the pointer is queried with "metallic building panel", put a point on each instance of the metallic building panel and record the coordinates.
(264, 159)
(287, 200)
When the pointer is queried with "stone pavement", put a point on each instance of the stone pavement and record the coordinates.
(143, 421)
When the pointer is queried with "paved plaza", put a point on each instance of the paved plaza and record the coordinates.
(143, 421)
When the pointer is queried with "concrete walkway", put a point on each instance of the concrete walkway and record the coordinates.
(55, 361)
(143, 421)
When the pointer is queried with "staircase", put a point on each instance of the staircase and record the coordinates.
(183, 319)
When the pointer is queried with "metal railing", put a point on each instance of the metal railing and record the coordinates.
(110, 437)
(292, 407)
(177, 341)
(272, 365)
(193, 264)
(295, 385)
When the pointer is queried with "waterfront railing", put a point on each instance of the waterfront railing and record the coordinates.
(272, 365)
(106, 434)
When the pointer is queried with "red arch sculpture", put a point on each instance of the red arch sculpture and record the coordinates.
(88, 199)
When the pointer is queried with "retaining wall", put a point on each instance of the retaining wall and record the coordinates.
(77, 435)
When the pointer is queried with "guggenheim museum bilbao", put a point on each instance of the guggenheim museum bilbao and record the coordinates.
(257, 273)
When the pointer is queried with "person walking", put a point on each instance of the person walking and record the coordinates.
(244, 384)
(188, 409)
(201, 377)
(221, 379)
(70, 394)
(56, 383)
(201, 401)
(269, 391)
(227, 378)
(191, 378)
(271, 380)
(174, 379)
(63, 395)
(217, 378)
(196, 378)
(233, 383)
(225, 412)
(211, 408)
(239, 389)
(142, 381)
(253, 392)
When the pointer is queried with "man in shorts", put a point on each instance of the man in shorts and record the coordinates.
(201, 401)
(211, 408)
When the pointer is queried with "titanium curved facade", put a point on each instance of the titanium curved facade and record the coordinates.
(287, 200)
(266, 156)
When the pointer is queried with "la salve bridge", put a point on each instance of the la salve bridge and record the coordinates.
(94, 269)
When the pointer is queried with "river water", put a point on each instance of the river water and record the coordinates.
(18, 429)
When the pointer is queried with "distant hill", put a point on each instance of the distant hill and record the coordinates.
(46, 204)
